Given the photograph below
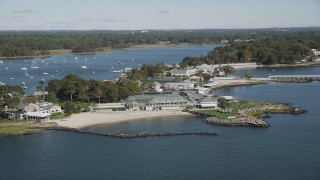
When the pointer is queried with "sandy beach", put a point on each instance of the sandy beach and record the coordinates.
(103, 117)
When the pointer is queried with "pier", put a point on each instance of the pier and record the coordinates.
(313, 77)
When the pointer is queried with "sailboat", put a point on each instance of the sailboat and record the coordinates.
(33, 66)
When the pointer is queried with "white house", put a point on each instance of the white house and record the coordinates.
(179, 86)
(209, 102)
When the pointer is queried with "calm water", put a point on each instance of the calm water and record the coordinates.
(99, 66)
(289, 149)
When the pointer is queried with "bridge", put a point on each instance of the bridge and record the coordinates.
(314, 77)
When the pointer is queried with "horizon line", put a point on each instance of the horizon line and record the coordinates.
(178, 29)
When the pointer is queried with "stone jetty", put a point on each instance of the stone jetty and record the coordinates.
(128, 136)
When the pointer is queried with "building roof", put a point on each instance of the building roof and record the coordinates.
(204, 66)
(48, 107)
(156, 98)
(208, 100)
(23, 105)
(40, 93)
(179, 71)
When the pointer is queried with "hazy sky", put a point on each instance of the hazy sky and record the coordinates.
(156, 14)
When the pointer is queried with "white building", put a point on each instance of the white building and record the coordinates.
(208, 102)
(179, 86)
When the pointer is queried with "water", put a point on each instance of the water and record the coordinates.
(99, 66)
(288, 149)
(266, 72)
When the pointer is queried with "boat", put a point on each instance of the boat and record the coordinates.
(116, 71)
(45, 73)
(1, 83)
(76, 58)
(93, 72)
(119, 62)
(12, 78)
(23, 84)
(7, 68)
(1, 62)
(132, 59)
(24, 68)
(33, 66)
(84, 67)
(25, 87)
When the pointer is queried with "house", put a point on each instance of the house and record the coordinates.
(179, 72)
(183, 72)
(179, 86)
(208, 102)
(28, 107)
(52, 108)
(207, 69)
(154, 102)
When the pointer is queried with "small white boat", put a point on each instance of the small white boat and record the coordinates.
(116, 71)
(1, 62)
(84, 67)
(1, 83)
(7, 68)
(24, 68)
(119, 62)
(33, 66)
(76, 58)
(45, 73)
(12, 78)
(93, 72)
(23, 84)
(132, 59)
(25, 87)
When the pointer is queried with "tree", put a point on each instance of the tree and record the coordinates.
(248, 76)
(228, 69)
(68, 107)
(148, 86)
(13, 102)
(52, 97)
(222, 103)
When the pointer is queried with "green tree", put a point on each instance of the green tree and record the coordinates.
(222, 102)
(69, 107)
(228, 69)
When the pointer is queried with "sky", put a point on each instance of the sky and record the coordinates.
(156, 14)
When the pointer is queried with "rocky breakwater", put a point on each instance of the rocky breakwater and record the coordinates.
(237, 122)
(248, 116)
(128, 136)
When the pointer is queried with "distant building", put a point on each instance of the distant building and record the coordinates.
(179, 86)
(179, 72)
(183, 72)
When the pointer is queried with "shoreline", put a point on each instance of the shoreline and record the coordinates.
(87, 119)
(106, 50)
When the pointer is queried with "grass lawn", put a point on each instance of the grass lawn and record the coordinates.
(216, 113)
(13, 121)
(57, 115)
(14, 130)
